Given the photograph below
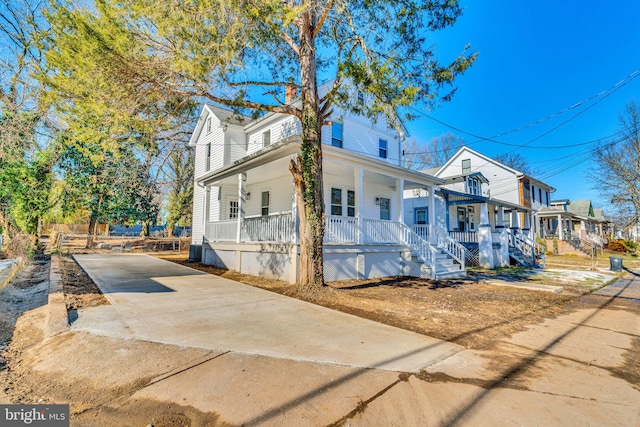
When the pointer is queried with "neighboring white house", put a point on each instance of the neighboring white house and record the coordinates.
(487, 206)
(525, 194)
(245, 215)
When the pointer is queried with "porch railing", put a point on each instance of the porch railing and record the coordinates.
(464, 236)
(447, 244)
(528, 247)
(222, 231)
(340, 229)
(271, 228)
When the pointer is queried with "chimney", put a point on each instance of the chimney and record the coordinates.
(290, 93)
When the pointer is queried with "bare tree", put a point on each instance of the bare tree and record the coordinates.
(618, 176)
(436, 152)
(515, 161)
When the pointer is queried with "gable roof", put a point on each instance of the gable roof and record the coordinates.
(225, 116)
(464, 149)
(517, 173)
(580, 208)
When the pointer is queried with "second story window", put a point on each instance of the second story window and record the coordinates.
(382, 148)
(209, 125)
(336, 134)
(266, 139)
(265, 203)
(474, 187)
(526, 190)
(540, 194)
(207, 159)
(533, 193)
(466, 166)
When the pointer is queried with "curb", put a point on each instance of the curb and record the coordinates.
(9, 273)
(58, 320)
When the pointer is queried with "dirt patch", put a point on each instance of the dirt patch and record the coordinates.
(78, 288)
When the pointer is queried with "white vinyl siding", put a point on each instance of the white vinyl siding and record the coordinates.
(280, 127)
(280, 196)
(364, 138)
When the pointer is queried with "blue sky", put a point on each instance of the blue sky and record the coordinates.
(537, 59)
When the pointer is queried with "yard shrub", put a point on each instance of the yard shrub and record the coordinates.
(617, 246)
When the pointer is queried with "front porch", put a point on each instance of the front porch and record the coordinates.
(355, 248)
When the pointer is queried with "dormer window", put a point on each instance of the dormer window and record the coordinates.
(360, 98)
(466, 166)
(266, 138)
(209, 125)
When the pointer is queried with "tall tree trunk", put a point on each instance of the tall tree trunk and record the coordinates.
(307, 168)
(145, 228)
(92, 231)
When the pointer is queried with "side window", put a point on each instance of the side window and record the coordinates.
(336, 201)
(533, 193)
(209, 125)
(382, 148)
(266, 139)
(336, 133)
(540, 194)
(466, 166)
(385, 208)
(526, 190)
(265, 203)
(233, 209)
(351, 203)
(207, 160)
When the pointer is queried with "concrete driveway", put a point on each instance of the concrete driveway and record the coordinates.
(159, 301)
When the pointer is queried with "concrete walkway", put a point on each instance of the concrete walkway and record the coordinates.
(160, 301)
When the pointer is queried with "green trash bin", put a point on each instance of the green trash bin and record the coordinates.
(616, 263)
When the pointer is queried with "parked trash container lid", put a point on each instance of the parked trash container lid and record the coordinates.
(615, 263)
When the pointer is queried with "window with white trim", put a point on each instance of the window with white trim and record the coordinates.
(209, 125)
(382, 148)
(265, 203)
(466, 166)
(336, 201)
(233, 209)
(207, 159)
(351, 203)
(266, 138)
(336, 133)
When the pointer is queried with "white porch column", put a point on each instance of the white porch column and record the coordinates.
(400, 195)
(503, 254)
(242, 199)
(560, 227)
(515, 220)
(431, 212)
(358, 174)
(485, 241)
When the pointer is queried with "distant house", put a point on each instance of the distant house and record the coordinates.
(245, 214)
(493, 229)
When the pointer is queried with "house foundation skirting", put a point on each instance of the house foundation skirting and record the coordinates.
(341, 262)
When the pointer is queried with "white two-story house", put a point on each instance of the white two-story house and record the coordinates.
(245, 214)
(488, 207)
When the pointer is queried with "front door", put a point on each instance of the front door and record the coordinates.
(421, 216)
(462, 219)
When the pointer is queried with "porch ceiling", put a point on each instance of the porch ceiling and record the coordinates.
(264, 172)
